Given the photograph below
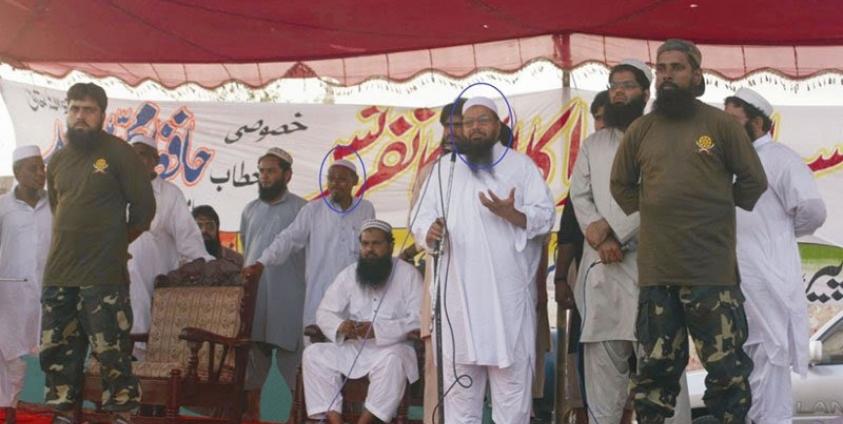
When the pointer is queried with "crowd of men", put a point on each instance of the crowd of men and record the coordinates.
(680, 222)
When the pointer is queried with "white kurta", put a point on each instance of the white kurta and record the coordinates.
(388, 359)
(610, 287)
(330, 240)
(768, 255)
(173, 239)
(397, 308)
(491, 264)
(25, 234)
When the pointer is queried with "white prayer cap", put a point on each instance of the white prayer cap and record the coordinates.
(144, 139)
(280, 154)
(346, 164)
(376, 223)
(752, 97)
(25, 152)
(480, 101)
(637, 64)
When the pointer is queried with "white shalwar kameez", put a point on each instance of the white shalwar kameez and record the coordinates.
(173, 239)
(771, 278)
(389, 360)
(330, 241)
(25, 234)
(608, 301)
(488, 269)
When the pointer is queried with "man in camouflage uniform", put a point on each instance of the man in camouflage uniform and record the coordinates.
(85, 301)
(685, 166)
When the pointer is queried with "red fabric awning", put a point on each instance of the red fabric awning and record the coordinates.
(210, 42)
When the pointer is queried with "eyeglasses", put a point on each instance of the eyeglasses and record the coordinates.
(626, 85)
(482, 121)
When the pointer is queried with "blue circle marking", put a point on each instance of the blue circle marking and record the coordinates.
(325, 198)
(512, 122)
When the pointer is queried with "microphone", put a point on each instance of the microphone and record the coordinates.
(630, 245)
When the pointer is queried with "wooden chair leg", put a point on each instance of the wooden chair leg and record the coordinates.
(237, 407)
(174, 399)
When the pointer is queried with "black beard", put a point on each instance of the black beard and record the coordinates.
(82, 139)
(373, 272)
(268, 194)
(213, 246)
(677, 103)
(620, 115)
(478, 153)
(748, 128)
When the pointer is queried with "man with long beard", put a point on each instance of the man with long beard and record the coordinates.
(367, 314)
(501, 210)
(209, 225)
(608, 340)
(685, 166)
(102, 200)
(277, 326)
(173, 239)
(771, 271)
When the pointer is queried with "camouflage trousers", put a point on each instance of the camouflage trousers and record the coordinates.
(715, 319)
(74, 318)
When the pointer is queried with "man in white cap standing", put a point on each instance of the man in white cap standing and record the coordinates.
(366, 313)
(25, 230)
(499, 214)
(685, 166)
(325, 230)
(172, 240)
(769, 263)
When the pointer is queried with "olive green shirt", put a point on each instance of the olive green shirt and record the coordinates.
(89, 191)
(686, 176)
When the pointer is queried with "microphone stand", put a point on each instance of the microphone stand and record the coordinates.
(437, 312)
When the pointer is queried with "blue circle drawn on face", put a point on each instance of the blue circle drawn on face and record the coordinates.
(512, 122)
(325, 198)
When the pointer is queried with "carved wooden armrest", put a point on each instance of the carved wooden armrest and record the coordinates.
(195, 338)
(315, 333)
(193, 334)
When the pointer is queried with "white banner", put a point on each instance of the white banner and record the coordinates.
(210, 149)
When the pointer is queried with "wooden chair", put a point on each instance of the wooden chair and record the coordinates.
(197, 346)
(354, 391)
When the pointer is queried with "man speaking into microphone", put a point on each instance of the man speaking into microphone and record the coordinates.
(497, 213)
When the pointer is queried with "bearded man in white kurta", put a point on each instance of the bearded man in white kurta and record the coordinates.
(769, 263)
(173, 239)
(25, 232)
(367, 314)
(500, 213)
